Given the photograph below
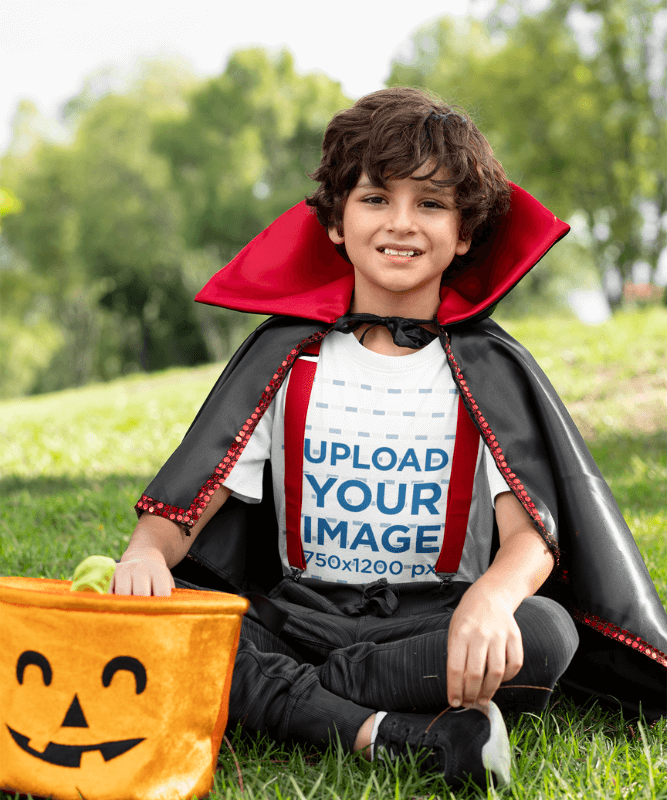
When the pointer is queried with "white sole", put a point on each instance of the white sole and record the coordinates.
(496, 755)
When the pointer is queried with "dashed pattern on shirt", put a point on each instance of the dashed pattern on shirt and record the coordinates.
(405, 390)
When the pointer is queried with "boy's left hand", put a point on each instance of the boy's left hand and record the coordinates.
(484, 647)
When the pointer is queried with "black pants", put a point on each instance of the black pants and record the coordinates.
(348, 651)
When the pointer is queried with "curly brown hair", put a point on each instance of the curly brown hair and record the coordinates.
(394, 132)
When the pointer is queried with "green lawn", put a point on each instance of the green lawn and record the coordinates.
(73, 463)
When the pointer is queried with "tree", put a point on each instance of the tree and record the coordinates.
(129, 237)
(160, 183)
(581, 130)
(241, 155)
(101, 227)
(9, 204)
(28, 337)
(628, 53)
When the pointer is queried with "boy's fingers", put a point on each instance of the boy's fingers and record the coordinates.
(475, 669)
(120, 583)
(142, 578)
(495, 672)
(456, 661)
(514, 658)
(141, 583)
(163, 582)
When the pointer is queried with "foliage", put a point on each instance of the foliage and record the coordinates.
(161, 180)
(24, 305)
(9, 203)
(584, 131)
(158, 187)
(99, 232)
(628, 56)
(241, 155)
(74, 463)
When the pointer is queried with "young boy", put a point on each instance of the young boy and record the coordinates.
(396, 472)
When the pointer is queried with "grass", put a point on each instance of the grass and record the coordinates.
(73, 463)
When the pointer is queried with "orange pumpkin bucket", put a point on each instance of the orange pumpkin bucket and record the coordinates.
(109, 697)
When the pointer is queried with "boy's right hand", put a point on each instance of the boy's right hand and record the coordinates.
(143, 575)
(157, 544)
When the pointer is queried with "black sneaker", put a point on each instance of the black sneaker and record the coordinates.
(460, 742)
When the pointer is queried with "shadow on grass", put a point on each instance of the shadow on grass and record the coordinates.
(49, 485)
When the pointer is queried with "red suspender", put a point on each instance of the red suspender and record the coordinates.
(297, 397)
(459, 494)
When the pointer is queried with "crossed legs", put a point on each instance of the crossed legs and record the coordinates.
(328, 673)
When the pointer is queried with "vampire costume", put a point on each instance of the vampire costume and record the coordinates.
(292, 271)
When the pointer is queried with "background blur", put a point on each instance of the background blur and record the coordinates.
(154, 142)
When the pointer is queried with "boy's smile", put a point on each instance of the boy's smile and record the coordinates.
(400, 240)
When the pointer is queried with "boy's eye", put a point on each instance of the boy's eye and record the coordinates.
(431, 204)
(374, 200)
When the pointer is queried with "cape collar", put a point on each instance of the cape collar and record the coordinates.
(292, 268)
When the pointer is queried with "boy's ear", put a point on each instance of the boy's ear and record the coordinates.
(335, 235)
(462, 246)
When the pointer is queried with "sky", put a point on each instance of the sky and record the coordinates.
(48, 48)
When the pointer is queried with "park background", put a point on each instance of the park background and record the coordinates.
(119, 204)
(118, 207)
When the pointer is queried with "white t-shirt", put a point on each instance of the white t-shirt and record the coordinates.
(379, 442)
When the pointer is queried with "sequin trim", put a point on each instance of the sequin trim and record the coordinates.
(189, 517)
(512, 480)
(620, 635)
(173, 513)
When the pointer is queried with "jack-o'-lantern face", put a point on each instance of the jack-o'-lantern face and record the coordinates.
(108, 697)
(69, 755)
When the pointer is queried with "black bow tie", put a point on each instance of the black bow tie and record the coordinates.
(405, 332)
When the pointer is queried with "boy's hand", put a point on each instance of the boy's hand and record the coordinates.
(156, 545)
(142, 574)
(484, 647)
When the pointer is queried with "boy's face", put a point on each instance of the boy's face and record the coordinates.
(400, 240)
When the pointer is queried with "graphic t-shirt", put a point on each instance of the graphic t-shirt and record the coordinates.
(378, 450)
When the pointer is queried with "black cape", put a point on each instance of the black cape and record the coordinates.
(600, 576)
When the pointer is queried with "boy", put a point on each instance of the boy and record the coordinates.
(405, 467)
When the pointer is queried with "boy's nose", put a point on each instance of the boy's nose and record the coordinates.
(401, 220)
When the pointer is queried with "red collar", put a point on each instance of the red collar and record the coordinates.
(292, 267)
